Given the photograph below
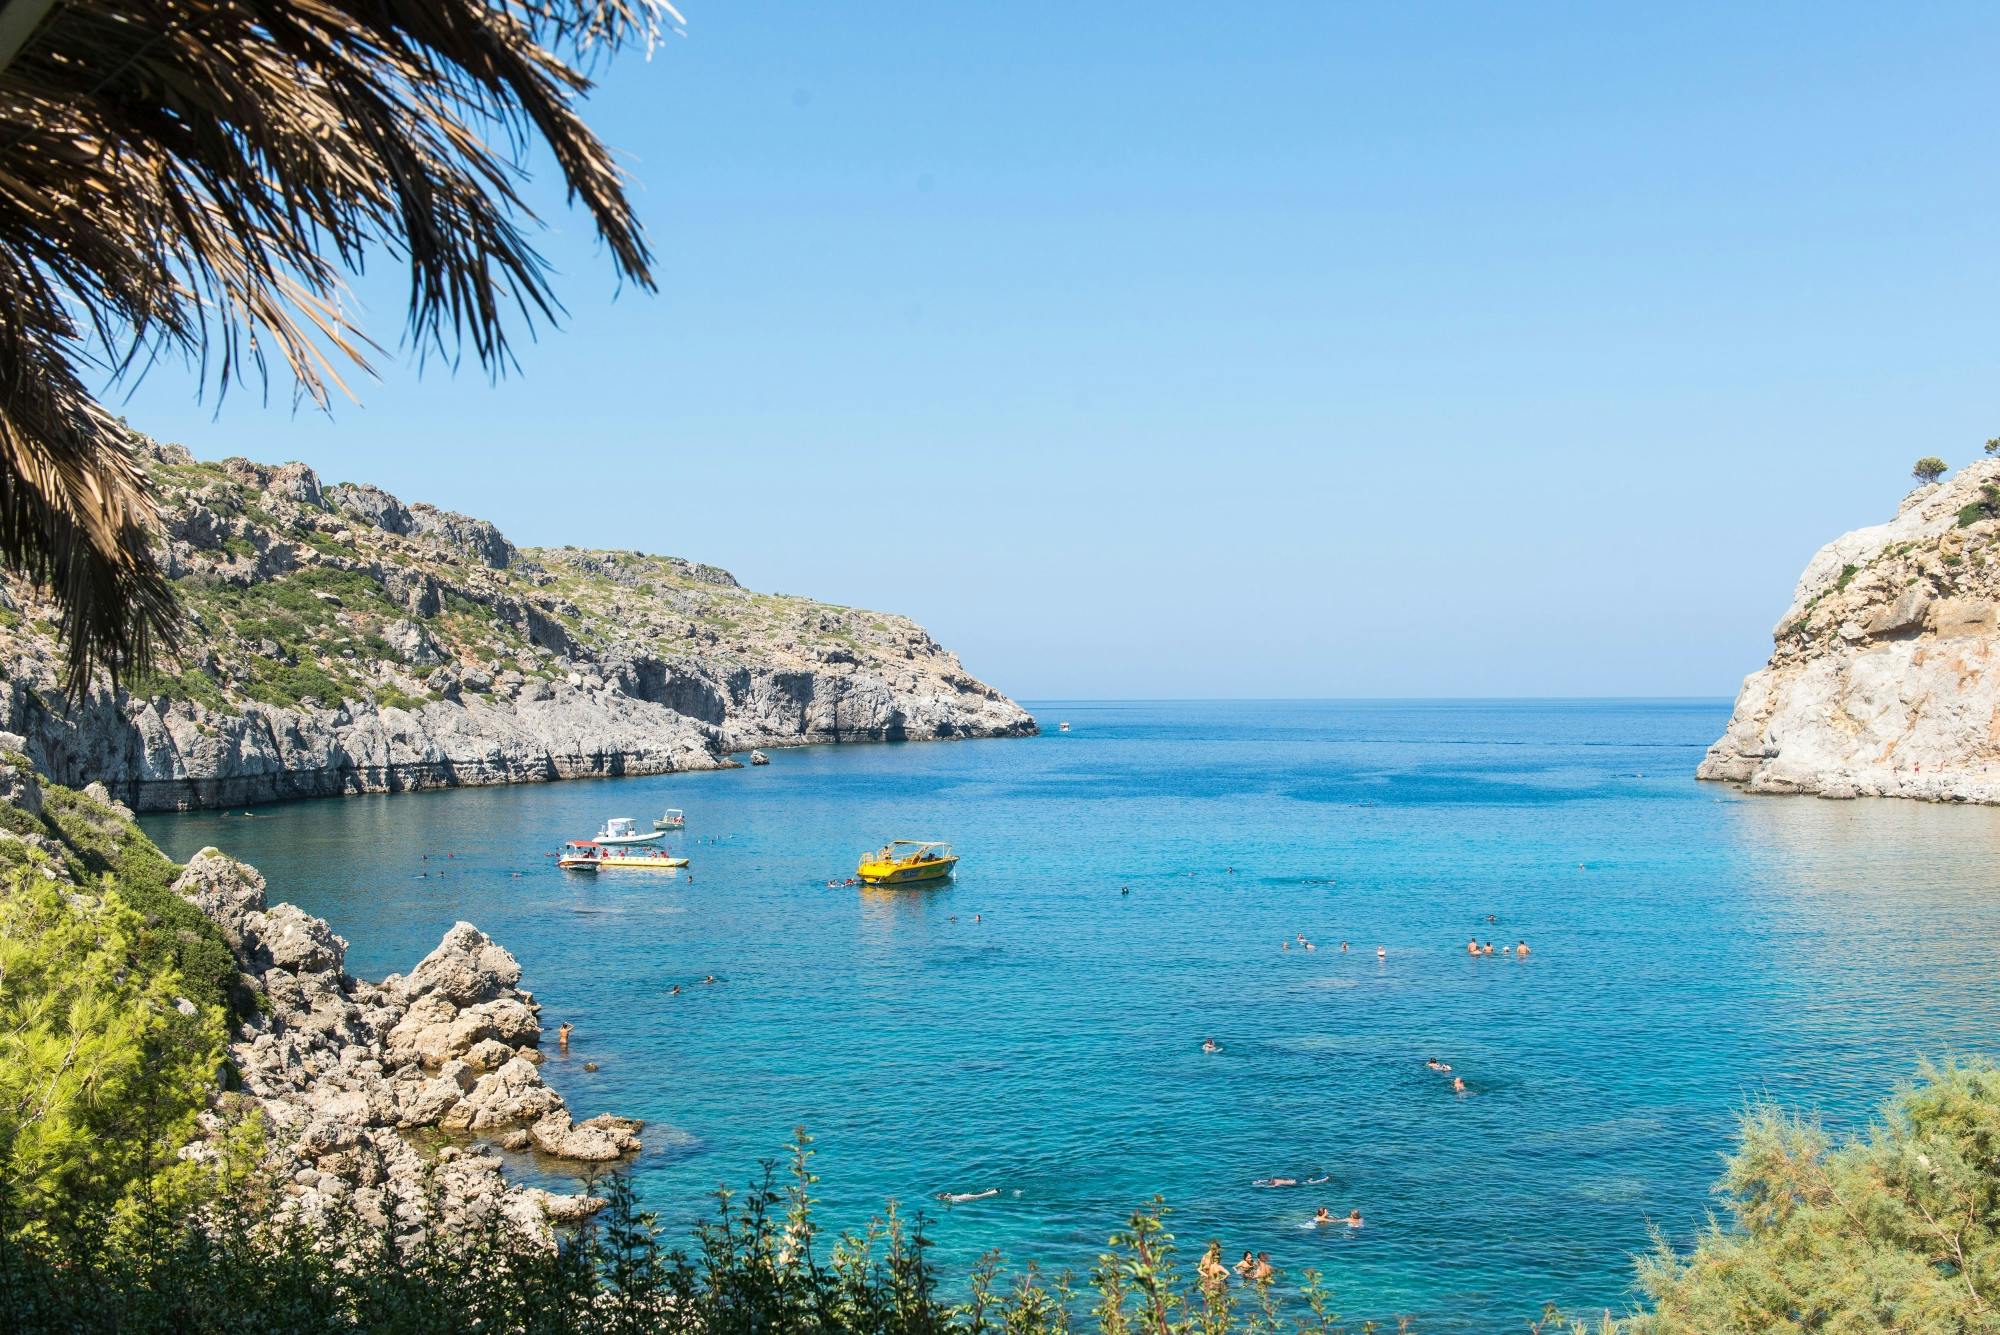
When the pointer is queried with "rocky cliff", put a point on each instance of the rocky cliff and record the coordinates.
(341, 641)
(1885, 678)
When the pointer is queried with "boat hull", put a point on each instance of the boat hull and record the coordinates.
(616, 863)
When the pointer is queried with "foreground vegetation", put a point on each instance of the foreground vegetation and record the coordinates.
(113, 1009)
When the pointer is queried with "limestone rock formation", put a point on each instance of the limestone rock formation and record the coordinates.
(343, 1070)
(1885, 677)
(341, 641)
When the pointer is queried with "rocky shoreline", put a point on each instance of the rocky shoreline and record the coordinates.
(388, 1101)
(344, 1071)
(1884, 680)
(341, 641)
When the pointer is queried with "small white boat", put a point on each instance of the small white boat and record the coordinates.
(675, 819)
(624, 830)
(759, 758)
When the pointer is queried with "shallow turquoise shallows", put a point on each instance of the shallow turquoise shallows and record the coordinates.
(1692, 949)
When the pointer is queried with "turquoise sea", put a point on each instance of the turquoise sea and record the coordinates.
(1033, 1028)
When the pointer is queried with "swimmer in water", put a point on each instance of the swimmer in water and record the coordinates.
(979, 917)
(1316, 1181)
(1275, 1182)
(1521, 949)
(1213, 1274)
(961, 1197)
(1458, 1084)
(562, 1036)
(1309, 945)
(1246, 1265)
(1210, 1045)
(1262, 1272)
(1354, 1219)
(708, 978)
(675, 991)
(1284, 945)
(1381, 952)
(1343, 947)
(1487, 949)
(1322, 1216)
(1472, 947)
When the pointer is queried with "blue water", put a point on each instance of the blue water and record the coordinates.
(1692, 949)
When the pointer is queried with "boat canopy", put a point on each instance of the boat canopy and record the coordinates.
(582, 843)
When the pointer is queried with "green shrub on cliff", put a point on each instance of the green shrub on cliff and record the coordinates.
(1929, 468)
(104, 1061)
(104, 847)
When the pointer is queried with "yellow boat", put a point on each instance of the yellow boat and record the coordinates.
(589, 855)
(904, 861)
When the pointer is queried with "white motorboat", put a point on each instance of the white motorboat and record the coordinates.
(625, 830)
(675, 819)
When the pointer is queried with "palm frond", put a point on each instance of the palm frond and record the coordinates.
(195, 177)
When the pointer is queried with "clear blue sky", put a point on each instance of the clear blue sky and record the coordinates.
(1296, 349)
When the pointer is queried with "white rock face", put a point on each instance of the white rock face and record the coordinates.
(341, 1070)
(1885, 678)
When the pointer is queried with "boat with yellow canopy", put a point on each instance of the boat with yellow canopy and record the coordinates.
(589, 855)
(906, 860)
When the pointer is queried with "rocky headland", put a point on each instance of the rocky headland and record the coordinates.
(342, 641)
(1885, 676)
(391, 1099)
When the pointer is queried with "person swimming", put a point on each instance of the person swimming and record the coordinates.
(708, 978)
(674, 991)
(1381, 952)
(1343, 947)
(1275, 1182)
(562, 1035)
(1354, 1219)
(1309, 945)
(1246, 1265)
(1322, 1216)
(1472, 947)
(1263, 1270)
(1521, 949)
(1210, 1045)
(1487, 949)
(961, 1197)
(1458, 1084)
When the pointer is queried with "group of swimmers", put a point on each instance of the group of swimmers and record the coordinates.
(1254, 1268)
(1444, 1068)
(1520, 950)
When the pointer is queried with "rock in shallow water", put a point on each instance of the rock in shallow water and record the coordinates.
(341, 1069)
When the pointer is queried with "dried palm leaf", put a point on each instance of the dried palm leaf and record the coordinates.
(195, 177)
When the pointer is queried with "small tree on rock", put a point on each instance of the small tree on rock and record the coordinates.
(1993, 445)
(1929, 468)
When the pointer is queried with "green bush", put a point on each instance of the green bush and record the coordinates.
(1986, 507)
(101, 1072)
(105, 848)
(289, 685)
